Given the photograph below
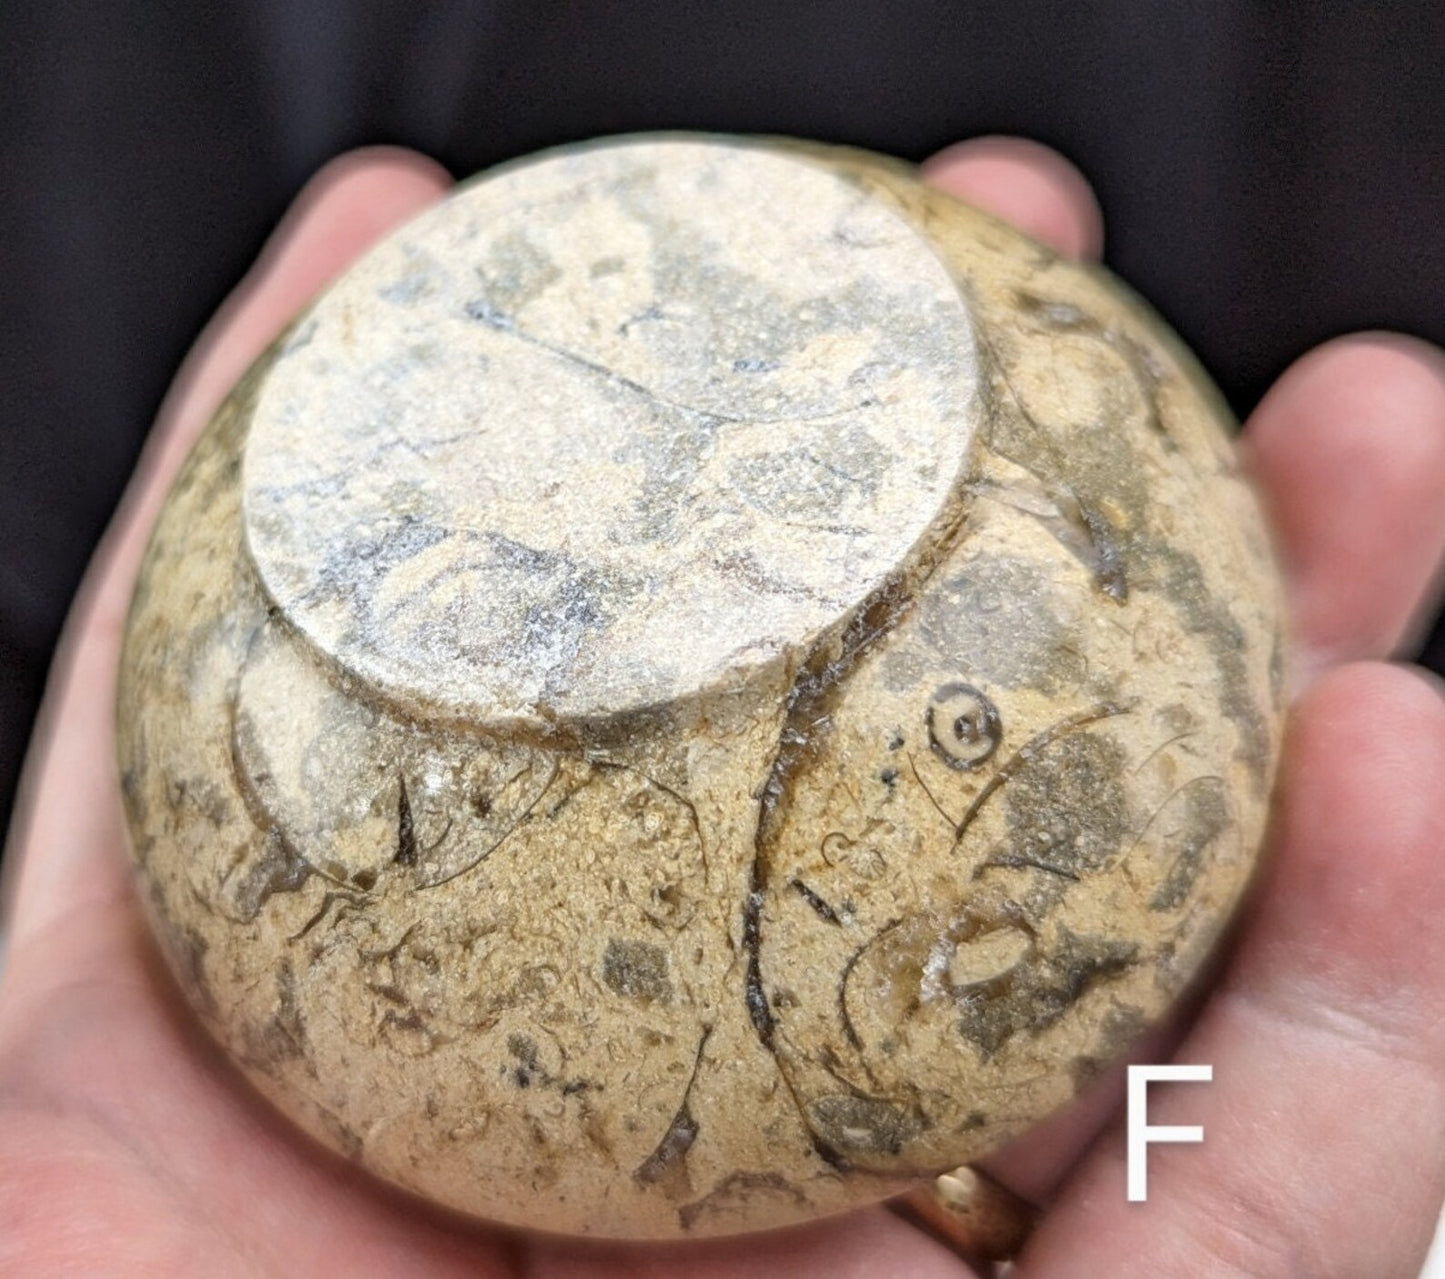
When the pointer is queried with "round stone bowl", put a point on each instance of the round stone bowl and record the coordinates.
(701, 683)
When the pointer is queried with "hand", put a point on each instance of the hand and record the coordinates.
(129, 1147)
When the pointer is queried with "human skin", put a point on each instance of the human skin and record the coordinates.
(128, 1146)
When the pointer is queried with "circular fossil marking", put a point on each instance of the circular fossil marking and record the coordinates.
(964, 727)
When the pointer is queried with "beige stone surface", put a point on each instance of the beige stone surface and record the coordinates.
(702, 683)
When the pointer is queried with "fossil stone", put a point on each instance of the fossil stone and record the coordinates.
(701, 683)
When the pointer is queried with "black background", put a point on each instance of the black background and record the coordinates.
(1272, 174)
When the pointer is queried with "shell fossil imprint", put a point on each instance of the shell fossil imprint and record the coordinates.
(702, 682)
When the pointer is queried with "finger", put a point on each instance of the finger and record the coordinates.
(1026, 184)
(68, 813)
(1324, 1128)
(1349, 452)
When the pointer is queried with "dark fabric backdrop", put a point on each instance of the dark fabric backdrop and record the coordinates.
(1272, 174)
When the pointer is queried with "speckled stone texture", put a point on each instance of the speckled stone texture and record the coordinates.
(701, 683)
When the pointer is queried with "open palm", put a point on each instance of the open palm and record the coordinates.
(128, 1147)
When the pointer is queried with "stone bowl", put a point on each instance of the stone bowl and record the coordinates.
(702, 683)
